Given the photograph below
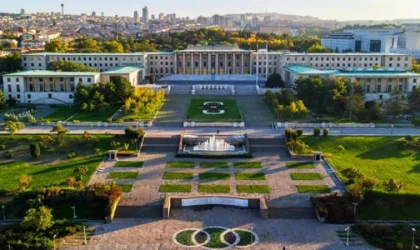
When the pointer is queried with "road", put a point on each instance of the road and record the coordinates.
(251, 131)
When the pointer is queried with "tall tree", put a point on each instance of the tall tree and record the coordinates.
(275, 81)
(414, 99)
(396, 105)
(13, 127)
(113, 47)
(56, 46)
(3, 101)
(39, 219)
(67, 66)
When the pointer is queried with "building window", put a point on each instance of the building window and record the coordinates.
(8, 79)
(378, 88)
(29, 96)
(61, 79)
(17, 88)
(368, 88)
(389, 88)
(414, 80)
(49, 95)
(70, 96)
(9, 88)
(18, 96)
(89, 80)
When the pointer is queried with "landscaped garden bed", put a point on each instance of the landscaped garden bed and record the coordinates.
(126, 188)
(250, 176)
(306, 176)
(214, 176)
(214, 189)
(214, 110)
(122, 175)
(300, 165)
(129, 164)
(214, 165)
(178, 176)
(313, 189)
(247, 165)
(180, 164)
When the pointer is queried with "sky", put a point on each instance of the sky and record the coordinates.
(325, 9)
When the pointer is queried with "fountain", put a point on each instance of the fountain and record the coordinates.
(214, 144)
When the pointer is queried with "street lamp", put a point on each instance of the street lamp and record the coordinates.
(74, 212)
(348, 232)
(54, 236)
(252, 229)
(392, 128)
(416, 247)
(414, 235)
(84, 233)
(4, 215)
(354, 210)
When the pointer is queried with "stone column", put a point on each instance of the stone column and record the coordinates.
(225, 70)
(201, 65)
(217, 64)
(183, 63)
(192, 64)
(208, 64)
(242, 63)
(176, 64)
(234, 64)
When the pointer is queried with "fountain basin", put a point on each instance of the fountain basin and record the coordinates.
(214, 146)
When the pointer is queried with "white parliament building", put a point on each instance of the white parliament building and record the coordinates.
(195, 65)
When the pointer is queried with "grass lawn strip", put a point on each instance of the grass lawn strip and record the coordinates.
(168, 188)
(126, 188)
(306, 176)
(129, 164)
(250, 176)
(253, 189)
(220, 189)
(313, 189)
(180, 164)
(247, 165)
(185, 237)
(214, 165)
(246, 238)
(300, 165)
(123, 175)
(178, 176)
(214, 176)
(215, 241)
(231, 110)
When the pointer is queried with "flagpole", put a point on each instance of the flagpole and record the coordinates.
(266, 61)
(257, 68)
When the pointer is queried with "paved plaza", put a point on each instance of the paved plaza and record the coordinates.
(273, 234)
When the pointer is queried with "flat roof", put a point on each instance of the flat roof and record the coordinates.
(345, 54)
(51, 73)
(375, 74)
(305, 70)
(123, 70)
(85, 54)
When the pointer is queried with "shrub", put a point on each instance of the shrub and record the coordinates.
(335, 209)
(393, 185)
(340, 148)
(299, 132)
(24, 181)
(35, 150)
(71, 155)
(10, 117)
(317, 131)
(325, 132)
(2, 147)
(115, 144)
(351, 173)
(70, 181)
(9, 154)
(38, 219)
(132, 133)
(409, 138)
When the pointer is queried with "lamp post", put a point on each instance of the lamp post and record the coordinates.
(392, 128)
(54, 236)
(354, 208)
(348, 233)
(84, 234)
(4, 215)
(414, 235)
(252, 229)
(74, 212)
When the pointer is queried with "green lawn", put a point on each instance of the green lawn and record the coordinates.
(123, 175)
(214, 165)
(232, 113)
(246, 238)
(129, 164)
(214, 176)
(225, 189)
(215, 236)
(178, 176)
(375, 157)
(253, 189)
(126, 188)
(52, 168)
(250, 176)
(306, 176)
(248, 165)
(300, 165)
(185, 237)
(313, 189)
(64, 112)
(180, 164)
(175, 188)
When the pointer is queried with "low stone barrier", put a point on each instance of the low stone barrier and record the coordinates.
(172, 202)
(324, 125)
(214, 124)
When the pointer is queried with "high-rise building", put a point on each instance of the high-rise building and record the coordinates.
(145, 14)
(93, 13)
(254, 22)
(136, 16)
(22, 11)
(102, 14)
(153, 17)
(243, 21)
(62, 9)
(161, 16)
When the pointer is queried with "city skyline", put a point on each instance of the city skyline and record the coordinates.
(323, 9)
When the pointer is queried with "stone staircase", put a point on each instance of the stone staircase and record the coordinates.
(180, 90)
(354, 239)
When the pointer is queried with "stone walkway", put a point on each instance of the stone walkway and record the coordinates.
(273, 233)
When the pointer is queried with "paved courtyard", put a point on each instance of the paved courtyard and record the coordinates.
(273, 233)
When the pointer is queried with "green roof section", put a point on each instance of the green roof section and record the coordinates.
(123, 70)
(50, 73)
